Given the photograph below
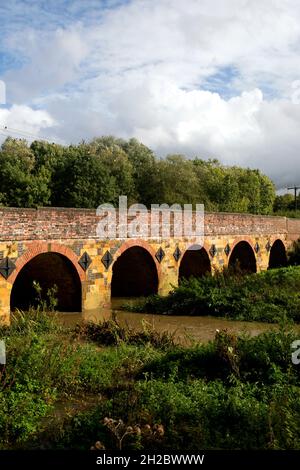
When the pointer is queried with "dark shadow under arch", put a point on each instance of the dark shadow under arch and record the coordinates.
(134, 274)
(243, 258)
(48, 269)
(278, 257)
(194, 263)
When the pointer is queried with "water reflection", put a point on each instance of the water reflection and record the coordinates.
(186, 329)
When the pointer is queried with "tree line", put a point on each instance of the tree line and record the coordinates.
(284, 204)
(99, 171)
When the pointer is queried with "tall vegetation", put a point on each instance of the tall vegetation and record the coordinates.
(284, 204)
(72, 389)
(268, 296)
(91, 173)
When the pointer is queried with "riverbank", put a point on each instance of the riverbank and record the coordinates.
(69, 387)
(186, 329)
(268, 296)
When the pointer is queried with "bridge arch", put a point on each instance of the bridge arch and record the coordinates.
(242, 256)
(136, 271)
(194, 263)
(278, 256)
(49, 265)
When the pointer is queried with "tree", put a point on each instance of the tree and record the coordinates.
(82, 180)
(284, 202)
(100, 171)
(267, 195)
(22, 182)
(177, 181)
(118, 165)
(145, 171)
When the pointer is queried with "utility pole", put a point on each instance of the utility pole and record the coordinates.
(295, 188)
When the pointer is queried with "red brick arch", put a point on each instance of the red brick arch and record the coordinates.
(251, 245)
(37, 248)
(186, 267)
(206, 246)
(273, 240)
(142, 244)
(250, 241)
(282, 238)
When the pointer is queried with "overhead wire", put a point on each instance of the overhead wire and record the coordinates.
(7, 131)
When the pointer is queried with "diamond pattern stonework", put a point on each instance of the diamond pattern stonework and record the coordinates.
(268, 246)
(85, 261)
(160, 254)
(7, 267)
(227, 249)
(177, 254)
(107, 259)
(213, 251)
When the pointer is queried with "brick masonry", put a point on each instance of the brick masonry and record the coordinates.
(25, 233)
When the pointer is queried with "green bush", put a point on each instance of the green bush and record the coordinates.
(110, 332)
(47, 362)
(21, 412)
(235, 392)
(269, 296)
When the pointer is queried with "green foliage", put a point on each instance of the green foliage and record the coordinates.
(110, 332)
(100, 171)
(285, 202)
(234, 189)
(268, 296)
(46, 362)
(48, 302)
(82, 180)
(284, 205)
(22, 181)
(20, 414)
(145, 171)
(202, 398)
(177, 182)
(232, 393)
(288, 213)
(264, 359)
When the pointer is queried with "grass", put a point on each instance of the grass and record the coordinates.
(268, 296)
(233, 393)
(47, 363)
(102, 385)
(110, 332)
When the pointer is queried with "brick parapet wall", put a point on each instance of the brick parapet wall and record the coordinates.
(222, 223)
(293, 227)
(63, 223)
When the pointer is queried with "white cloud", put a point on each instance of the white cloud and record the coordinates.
(52, 60)
(209, 78)
(29, 121)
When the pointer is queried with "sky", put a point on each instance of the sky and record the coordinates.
(204, 78)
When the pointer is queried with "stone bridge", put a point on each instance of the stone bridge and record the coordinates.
(57, 246)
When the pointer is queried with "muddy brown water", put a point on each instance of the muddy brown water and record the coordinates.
(186, 329)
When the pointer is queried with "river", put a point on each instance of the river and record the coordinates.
(186, 329)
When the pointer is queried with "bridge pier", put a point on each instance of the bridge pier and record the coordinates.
(5, 290)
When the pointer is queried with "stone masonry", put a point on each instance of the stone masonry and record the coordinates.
(26, 233)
